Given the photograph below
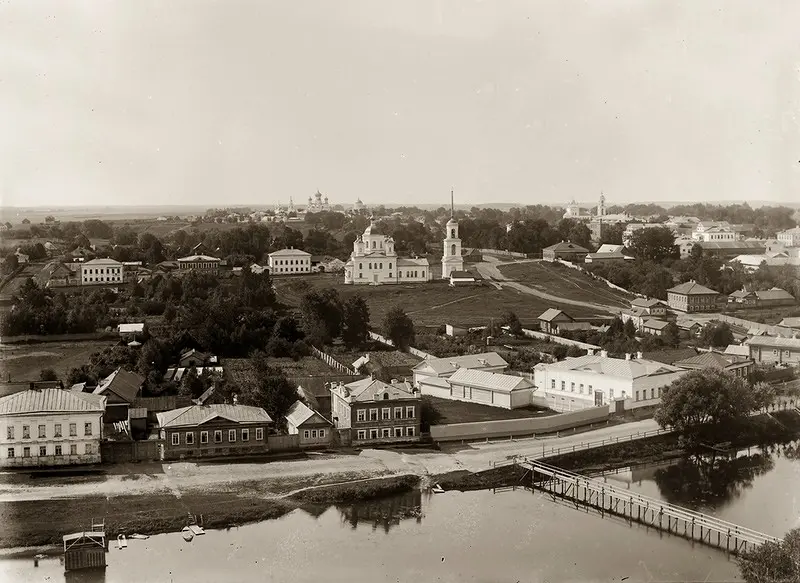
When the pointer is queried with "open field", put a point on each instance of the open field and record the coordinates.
(565, 282)
(240, 370)
(447, 411)
(30, 270)
(22, 362)
(430, 304)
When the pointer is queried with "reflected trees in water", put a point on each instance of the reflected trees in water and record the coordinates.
(383, 512)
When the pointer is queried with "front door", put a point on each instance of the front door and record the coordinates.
(620, 406)
(598, 398)
(375, 278)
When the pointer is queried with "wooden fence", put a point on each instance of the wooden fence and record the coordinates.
(411, 350)
(120, 452)
(280, 443)
(332, 362)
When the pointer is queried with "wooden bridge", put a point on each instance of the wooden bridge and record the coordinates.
(658, 514)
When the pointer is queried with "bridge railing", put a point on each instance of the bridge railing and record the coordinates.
(554, 451)
(684, 513)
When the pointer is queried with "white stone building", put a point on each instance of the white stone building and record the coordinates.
(101, 272)
(374, 261)
(790, 237)
(480, 386)
(596, 380)
(451, 256)
(289, 261)
(317, 204)
(50, 427)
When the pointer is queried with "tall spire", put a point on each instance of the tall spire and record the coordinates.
(452, 205)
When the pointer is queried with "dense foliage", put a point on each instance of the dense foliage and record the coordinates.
(772, 562)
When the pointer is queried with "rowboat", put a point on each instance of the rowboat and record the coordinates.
(437, 489)
(187, 534)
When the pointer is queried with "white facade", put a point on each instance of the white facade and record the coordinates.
(476, 386)
(451, 256)
(592, 381)
(714, 234)
(374, 261)
(790, 237)
(101, 271)
(289, 261)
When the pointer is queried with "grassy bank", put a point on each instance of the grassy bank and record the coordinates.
(43, 522)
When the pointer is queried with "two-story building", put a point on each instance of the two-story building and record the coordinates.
(376, 412)
(204, 263)
(213, 430)
(774, 350)
(690, 296)
(312, 429)
(101, 272)
(289, 262)
(565, 251)
(790, 237)
(50, 427)
(445, 367)
(596, 379)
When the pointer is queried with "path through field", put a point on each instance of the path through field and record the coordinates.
(489, 270)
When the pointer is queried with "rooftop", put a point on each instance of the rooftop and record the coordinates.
(615, 367)
(103, 261)
(691, 288)
(193, 258)
(289, 252)
(707, 360)
(122, 383)
(51, 401)
(489, 380)
(566, 246)
(550, 313)
(369, 390)
(199, 414)
(299, 413)
(451, 364)
(776, 342)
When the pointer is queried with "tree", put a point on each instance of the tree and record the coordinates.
(670, 335)
(48, 374)
(763, 395)
(322, 315)
(271, 390)
(355, 321)
(398, 327)
(629, 329)
(511, 320)
(717, 334)
(655, 244)
(772, 562)
(704, 396)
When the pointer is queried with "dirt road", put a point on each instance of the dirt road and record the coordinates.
(488, 270)
(276, 478)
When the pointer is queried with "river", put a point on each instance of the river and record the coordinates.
(498, 536)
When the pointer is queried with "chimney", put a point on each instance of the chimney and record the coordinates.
(235, 400)
(590, 352)
(394, 382)
(627, 356)
(639, 355)
(604, 353)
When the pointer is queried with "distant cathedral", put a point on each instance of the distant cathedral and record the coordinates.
(317, 204)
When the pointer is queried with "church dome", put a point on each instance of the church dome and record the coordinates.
(452, 222)
(373, 228)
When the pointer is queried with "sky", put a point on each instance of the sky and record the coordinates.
(216, 103)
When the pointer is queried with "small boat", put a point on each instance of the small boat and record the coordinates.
(40, 556)
(437, 489)
(122, 542)
(196, 529)
(187, 534)
(140, 536)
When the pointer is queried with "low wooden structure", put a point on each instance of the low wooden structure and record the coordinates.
(87, 549)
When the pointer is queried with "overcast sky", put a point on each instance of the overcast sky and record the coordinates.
(216, 103)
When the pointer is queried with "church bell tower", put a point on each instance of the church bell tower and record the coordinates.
(451, 257)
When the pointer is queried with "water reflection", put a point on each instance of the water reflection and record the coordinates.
(384, 512)
(714, 481)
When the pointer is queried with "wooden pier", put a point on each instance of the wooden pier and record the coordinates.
(651, 512)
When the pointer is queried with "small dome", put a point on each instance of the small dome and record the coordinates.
(452, 222)
(373, 228)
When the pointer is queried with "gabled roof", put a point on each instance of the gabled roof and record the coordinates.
(774, 342)
(670, 355)
(738, 350)
(503, 383)
(364, 391)
(609, 248)
(103, 261)
(706, 360)
(774, 293)
(191, 258)
(646, 302)
(289, 252)
(195, 415)
(655, 324)
(453, 363)
(122, 383)
(551, 313)
(615, 367)
(790, 322)
(565, 246)
(741, 293)
(691, 288)
(51, 401)
(299, 413)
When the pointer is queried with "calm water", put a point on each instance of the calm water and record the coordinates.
(511, 535)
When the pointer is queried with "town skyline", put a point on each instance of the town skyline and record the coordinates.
(543, 103)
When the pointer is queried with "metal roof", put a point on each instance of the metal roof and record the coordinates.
(493, 381)
(774, 293)
(198, 414)
(615, 367)
(451, 364)
(190, 258)
(550, 313)
(774, 342)
(691, 288)
(51, 401)
(299, 413)
(366, 389)
(288, 252)
(122, 383)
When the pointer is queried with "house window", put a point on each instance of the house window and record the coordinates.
(26, 432)
(10, 452)
(553, 384)
(87, 428)
(306, 434)
(637, 395)
(42, 431)
(232, 435)
(189, 438)
(313, 434)
(398, 412)
(386, 413)
(88, 449)
(563, 386)
(410, 412)
(218, 436)
(259, 433)
(398, 432)
(386, 432)
(245, 435)
(652, 393)
(373, 434)
(57, 430)
(373, 414)
(10, 432)
(409, 432)
(26, 452)
(42, 450)
(204, 437)
(176, 438)
(362, 434)
(581, 389)
(572, 387)
(58, 450)
(322, 434)
(73, 449)
(610, 393)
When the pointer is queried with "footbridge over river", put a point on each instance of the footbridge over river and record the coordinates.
(606, 498)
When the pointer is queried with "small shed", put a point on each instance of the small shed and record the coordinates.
(137, 422)
(85, 550)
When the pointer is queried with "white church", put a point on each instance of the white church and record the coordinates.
(374, 260)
